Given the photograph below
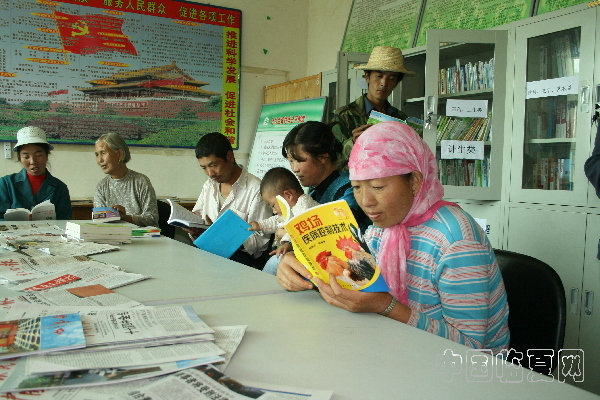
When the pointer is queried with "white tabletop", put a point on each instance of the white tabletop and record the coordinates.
(299, 340)
(180, 271)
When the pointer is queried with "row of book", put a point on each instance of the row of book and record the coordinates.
(467, 128)
(551, 117)
(465, 77)
(550, 173)
(560, 57)
(464, 172)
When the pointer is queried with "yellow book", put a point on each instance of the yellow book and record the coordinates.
(327, 240)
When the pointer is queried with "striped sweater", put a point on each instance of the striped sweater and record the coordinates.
(455, 287)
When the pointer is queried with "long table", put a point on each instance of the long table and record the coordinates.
(297, 339)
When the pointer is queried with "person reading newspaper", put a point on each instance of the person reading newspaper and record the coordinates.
(282, 182)
(436, 259)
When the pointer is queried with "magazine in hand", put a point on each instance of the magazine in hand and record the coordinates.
(184, 218)
(327, 240)
(43, 211)
(225, 235)
(23, 337)
(105, 214)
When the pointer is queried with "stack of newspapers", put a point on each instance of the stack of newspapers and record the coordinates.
(68, 335)
(99, 233)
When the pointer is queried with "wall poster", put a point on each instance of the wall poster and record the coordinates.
(274, 123)
(381, 23)
(158, 72)
(478, 14)
(545, 6)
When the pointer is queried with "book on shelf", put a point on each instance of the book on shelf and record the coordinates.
(327, 240)
(42, 211)
(105, 214)
(26, 336)
(225, 235)
(184, 218)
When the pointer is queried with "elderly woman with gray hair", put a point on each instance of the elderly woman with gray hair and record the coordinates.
(127, 191)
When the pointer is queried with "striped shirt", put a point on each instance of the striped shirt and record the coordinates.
(455, 289)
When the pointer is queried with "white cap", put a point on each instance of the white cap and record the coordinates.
(31, 135)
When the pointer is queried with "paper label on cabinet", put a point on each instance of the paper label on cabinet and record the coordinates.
(461, 149)
(467, 108)
(552, 87)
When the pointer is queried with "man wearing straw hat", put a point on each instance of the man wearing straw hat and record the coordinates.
(383, 71)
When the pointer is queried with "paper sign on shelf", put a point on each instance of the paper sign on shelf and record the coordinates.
(552, 87)
(467, 108)
(461, 149)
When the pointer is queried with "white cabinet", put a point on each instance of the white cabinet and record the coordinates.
(552, 109)
(469, 68)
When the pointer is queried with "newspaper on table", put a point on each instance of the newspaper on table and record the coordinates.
(26, 336)
(96, 273)
(228, 338)
(86, 382)
(109, 358)
(207, 383)
(107, 326)
(20, 268)
(30, 229)
(54, 245)
(84, 296)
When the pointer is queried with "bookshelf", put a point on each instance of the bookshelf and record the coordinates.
(551, 138)
(461, 66)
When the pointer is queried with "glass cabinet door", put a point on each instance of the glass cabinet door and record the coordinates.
(553, 87)
(464, 110)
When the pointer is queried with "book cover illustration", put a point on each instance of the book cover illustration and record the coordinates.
(105, 214)
(36, 335)
(327, 240)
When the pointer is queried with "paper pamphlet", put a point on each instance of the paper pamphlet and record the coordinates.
(376, 117)
(327, 240)
(105, 214)
(43, 211)
(225, 235)
(184, 218)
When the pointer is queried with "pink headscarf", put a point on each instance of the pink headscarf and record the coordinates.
(389, 149)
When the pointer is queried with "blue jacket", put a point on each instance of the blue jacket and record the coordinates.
(15, 192)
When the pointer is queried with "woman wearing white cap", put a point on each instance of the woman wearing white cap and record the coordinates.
(34, 183)
(127, 191)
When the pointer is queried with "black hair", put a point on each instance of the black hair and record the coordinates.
(400, 74)
(279, 179)
(213, 144)
(315, 138)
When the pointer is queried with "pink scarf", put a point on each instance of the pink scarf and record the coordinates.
(389, 149)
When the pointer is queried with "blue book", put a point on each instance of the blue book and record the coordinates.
(225, 235)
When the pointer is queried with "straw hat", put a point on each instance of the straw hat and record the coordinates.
(385, 58)
(29, 135)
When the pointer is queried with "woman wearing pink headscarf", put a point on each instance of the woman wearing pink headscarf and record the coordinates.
(437, 261)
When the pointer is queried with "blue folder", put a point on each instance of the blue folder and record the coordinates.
(225, 235)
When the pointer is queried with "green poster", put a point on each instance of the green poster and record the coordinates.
(545, 6)
(275, 121)
(381, 23)
(460, 14)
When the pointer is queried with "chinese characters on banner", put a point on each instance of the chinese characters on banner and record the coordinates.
(159, 73)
